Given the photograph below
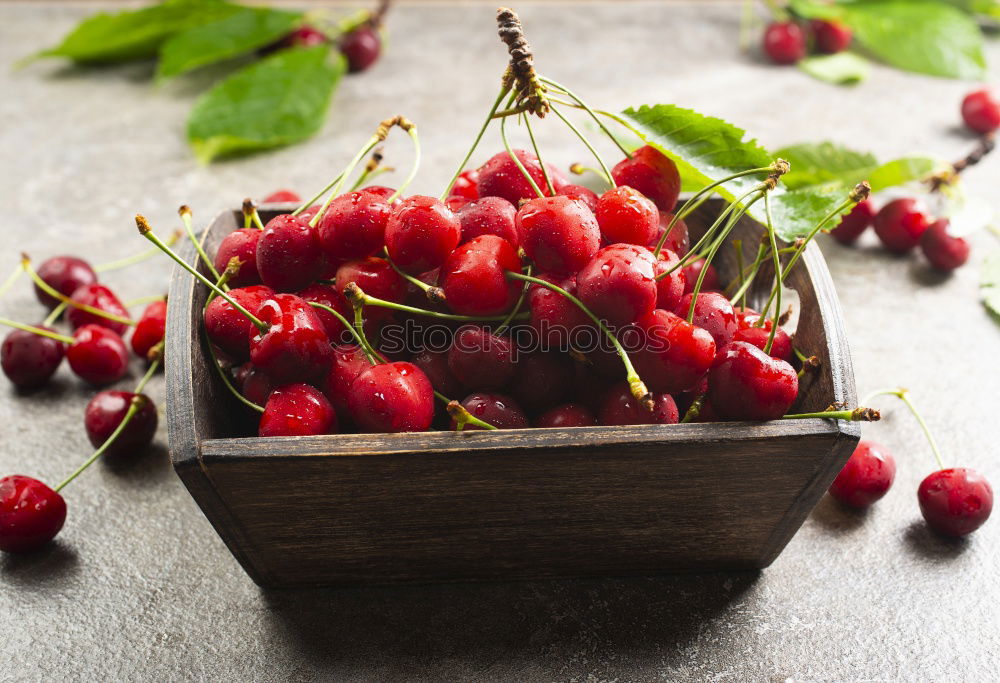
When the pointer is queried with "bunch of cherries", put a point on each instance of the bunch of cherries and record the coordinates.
(360, 41)
(787, 41)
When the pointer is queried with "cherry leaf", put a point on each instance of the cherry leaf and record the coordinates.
(843, 68)
(989, 284)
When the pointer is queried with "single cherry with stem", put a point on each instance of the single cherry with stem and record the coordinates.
(651, 173)
(28, 359)
(107, 409)
(150, 329)
(618, 284)
(558, 234)
(486, 410)
(472, 277)
(625, 215)
(65, 274)
(621, 408)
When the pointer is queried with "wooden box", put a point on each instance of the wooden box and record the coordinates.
(486, 505)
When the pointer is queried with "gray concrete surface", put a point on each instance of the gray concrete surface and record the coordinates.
(138, 587)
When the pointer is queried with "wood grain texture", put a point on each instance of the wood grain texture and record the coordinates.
(441, 506)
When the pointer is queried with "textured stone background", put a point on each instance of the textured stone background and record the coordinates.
(138, 585)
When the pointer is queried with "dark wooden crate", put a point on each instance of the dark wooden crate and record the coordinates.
(483, 505)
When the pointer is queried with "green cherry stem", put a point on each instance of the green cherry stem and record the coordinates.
(370, 170)
(513, 157)
(344, 321)
(137, 258)
(904, 396)
(462, 417)
(778, 274)
(54, 314)
(526, 118)
(148, 299)
(859, 414)
(316, 197)
(372, 141)
(692, 413)
(583, 105)
(185, 214)
(56, 294)
(505, 323)
(138, 401)
(434, 294)
(37, 330)
(412, 132)
(748, 277)
(359, 328)
(605, 172)
(475, 143)
(250, 215)
(11, 279)
(354, 293)
(143, 225)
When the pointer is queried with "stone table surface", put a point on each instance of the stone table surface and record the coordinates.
(138, 586)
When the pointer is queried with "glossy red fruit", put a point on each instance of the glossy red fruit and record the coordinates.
(474, 279)
(866, 477)
(29, 360)
(943, 251)
(435, 365)
(105, 412)
(361, 47)
(625, 216)
(830, 36)
(652, 174)
(241, 244)
(304, 36)
(541, 380)
(677, 240)
(480, 359)
(295, 347)
(65, 274)
(489, 216)
(784, 42)
(31, 514)
(466, 185)
(557, 321)
(254, 383)
(353, 226)
(669, 288)
(620, 407)
(381, 191)
(559, 235)
(499, 410)
(392, 397)
(376, 277)
(420, 234)
(853, 225)
(746, 331)
(100, 297)
(581, 194)
(674, 354)
(900, 224)
(97, 355)
(329, 296)
(691, 273)
(282, 196)
(500, 177)
(567, 415)
(150, 329)
(955, 501)
(618, 284)
(297, 410)
(347, 362)
(289, 255)
(229, 329)
(981, 111)
(747, 384)
(714, 313)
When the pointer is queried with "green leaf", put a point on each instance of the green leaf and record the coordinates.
(277, 101)
(989, 284)
(843, 68)
(825, 162)
(904, 170)
(246, 29)
(134, 34)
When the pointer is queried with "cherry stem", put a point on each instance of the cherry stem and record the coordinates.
(156, 354)
(749, 278)
(148, 299)
(904, 396)
(505, 323)
(316, 197)
(435, 294)
(227, 381)
(359, 329)
(370, 170)
(583, 105)
(526, 118)
(37, 330)
(691, 414)
(475, 143)
(354, 293)
(513, 157)
(412, 131)
(148, 233)
(372, 141)
(56, 294)
(859, 414)
(137, 258)
(635, 384)
(777, 272)
(185, 213)
(462, 417)
(738, 245)
(11, 279)
(344, 321)
(54, 314)
(250, 215)
(137, 402)
(605, 171)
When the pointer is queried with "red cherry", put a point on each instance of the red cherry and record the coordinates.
(347, 362)
(500, 177)
(254, 383)
(295, 347)
(100, 297)
(29, 360)
(692, 271)
(677, 241)
(620, 407)
(854, 223)
(361, 47)
(105, 412)
(353, 226)
(297, 410)
(420, 234)
(900, 223)
(392, 397)
(496, 409)
(670, 288)
(541, 380)
(747, 384)
(653, 174)
(618, 284)
(380, 191)
(567, 415)
(714, 313)
(473, 277)
(560, 235)
(981, 111)
(866, 477)
(956, 501)
(242, 244)
(435, 365)
(329, 296)
(97, 355)
(781, 347)
(784, 42)
(289, 256)
(150, 329)
(304, 36)
(674, 354)
(626, 216)
(65, 274)
(556, 320)
(943, 251)
(31, 514)
(481, 360)
(489, 216)
(466, 185)
(581, 194)
(282, 196)
(229, 329)
(376, 277)
(830, 36)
